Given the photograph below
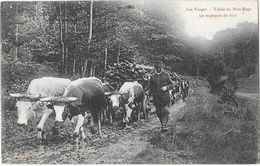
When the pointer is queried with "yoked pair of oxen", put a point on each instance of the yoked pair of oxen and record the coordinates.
(75, 100)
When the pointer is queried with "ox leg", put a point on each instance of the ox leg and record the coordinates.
(127, 116)
(102, 118)
(99, 124)
(82, 133)
(78, 127)
(128, 112)
(92, 125)
(40, 125)
(176, 97)
(109, 108)
(79, 124)
(95, 123)
(105, 114)
(138, 112)
(144, 106)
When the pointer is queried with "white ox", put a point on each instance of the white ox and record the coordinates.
(131, 94)
(27, 108)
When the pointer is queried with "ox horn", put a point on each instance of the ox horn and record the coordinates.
(72, 99)
(59, 99)
(112, 93)
(108, 93)
(46, 99)
(16, 95)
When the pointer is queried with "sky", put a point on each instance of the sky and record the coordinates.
(203, 18)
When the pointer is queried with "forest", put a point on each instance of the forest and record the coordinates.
(81, 38)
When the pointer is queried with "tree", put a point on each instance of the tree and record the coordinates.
(238, 45)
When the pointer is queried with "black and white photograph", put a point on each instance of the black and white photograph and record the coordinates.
(130, 82)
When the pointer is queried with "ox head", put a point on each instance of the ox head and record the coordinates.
(25, 105)
(60, 105)
(115, 99)
(118, 99)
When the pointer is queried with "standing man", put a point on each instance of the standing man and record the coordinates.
(159, 85)
(186, 89)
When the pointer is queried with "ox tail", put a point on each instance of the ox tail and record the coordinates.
(111, 88)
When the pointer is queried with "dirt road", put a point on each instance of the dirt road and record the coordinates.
(252, 96)
(130, 145)
(133, 147)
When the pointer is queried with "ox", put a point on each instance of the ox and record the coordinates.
(28, 105)
(82, 96)
(174, 92)
(130, 95)
(107, 112)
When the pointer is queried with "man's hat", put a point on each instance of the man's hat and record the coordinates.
(158, 64)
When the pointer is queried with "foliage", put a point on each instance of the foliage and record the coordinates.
(57, 33)
(126, 29)
(17, 76)
(223, 81)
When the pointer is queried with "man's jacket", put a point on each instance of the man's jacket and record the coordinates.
(155, 84)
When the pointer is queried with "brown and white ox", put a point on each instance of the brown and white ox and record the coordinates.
(90, 99)
(130, 96)
(28, 105)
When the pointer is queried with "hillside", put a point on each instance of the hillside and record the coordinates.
(207, 132)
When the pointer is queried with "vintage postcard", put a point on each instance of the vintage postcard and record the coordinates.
(130, 82)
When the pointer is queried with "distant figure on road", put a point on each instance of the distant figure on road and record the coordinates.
(159, 85)
(185, 89)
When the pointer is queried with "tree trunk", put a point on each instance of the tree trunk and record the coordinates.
(118, 54)
(61, 40)
(75, 55)
(94, 71)
(75, 26)
(82, 66)
(66, 46)
(105, 66)
(85, 65)
(36, 7)
(90, 22)
(105, 57)
(74, 66)
(91, 73)
(16, 35)
(89, 38)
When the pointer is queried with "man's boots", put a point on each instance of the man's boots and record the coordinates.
(164, 129)
(163, 115)
(164, 123)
